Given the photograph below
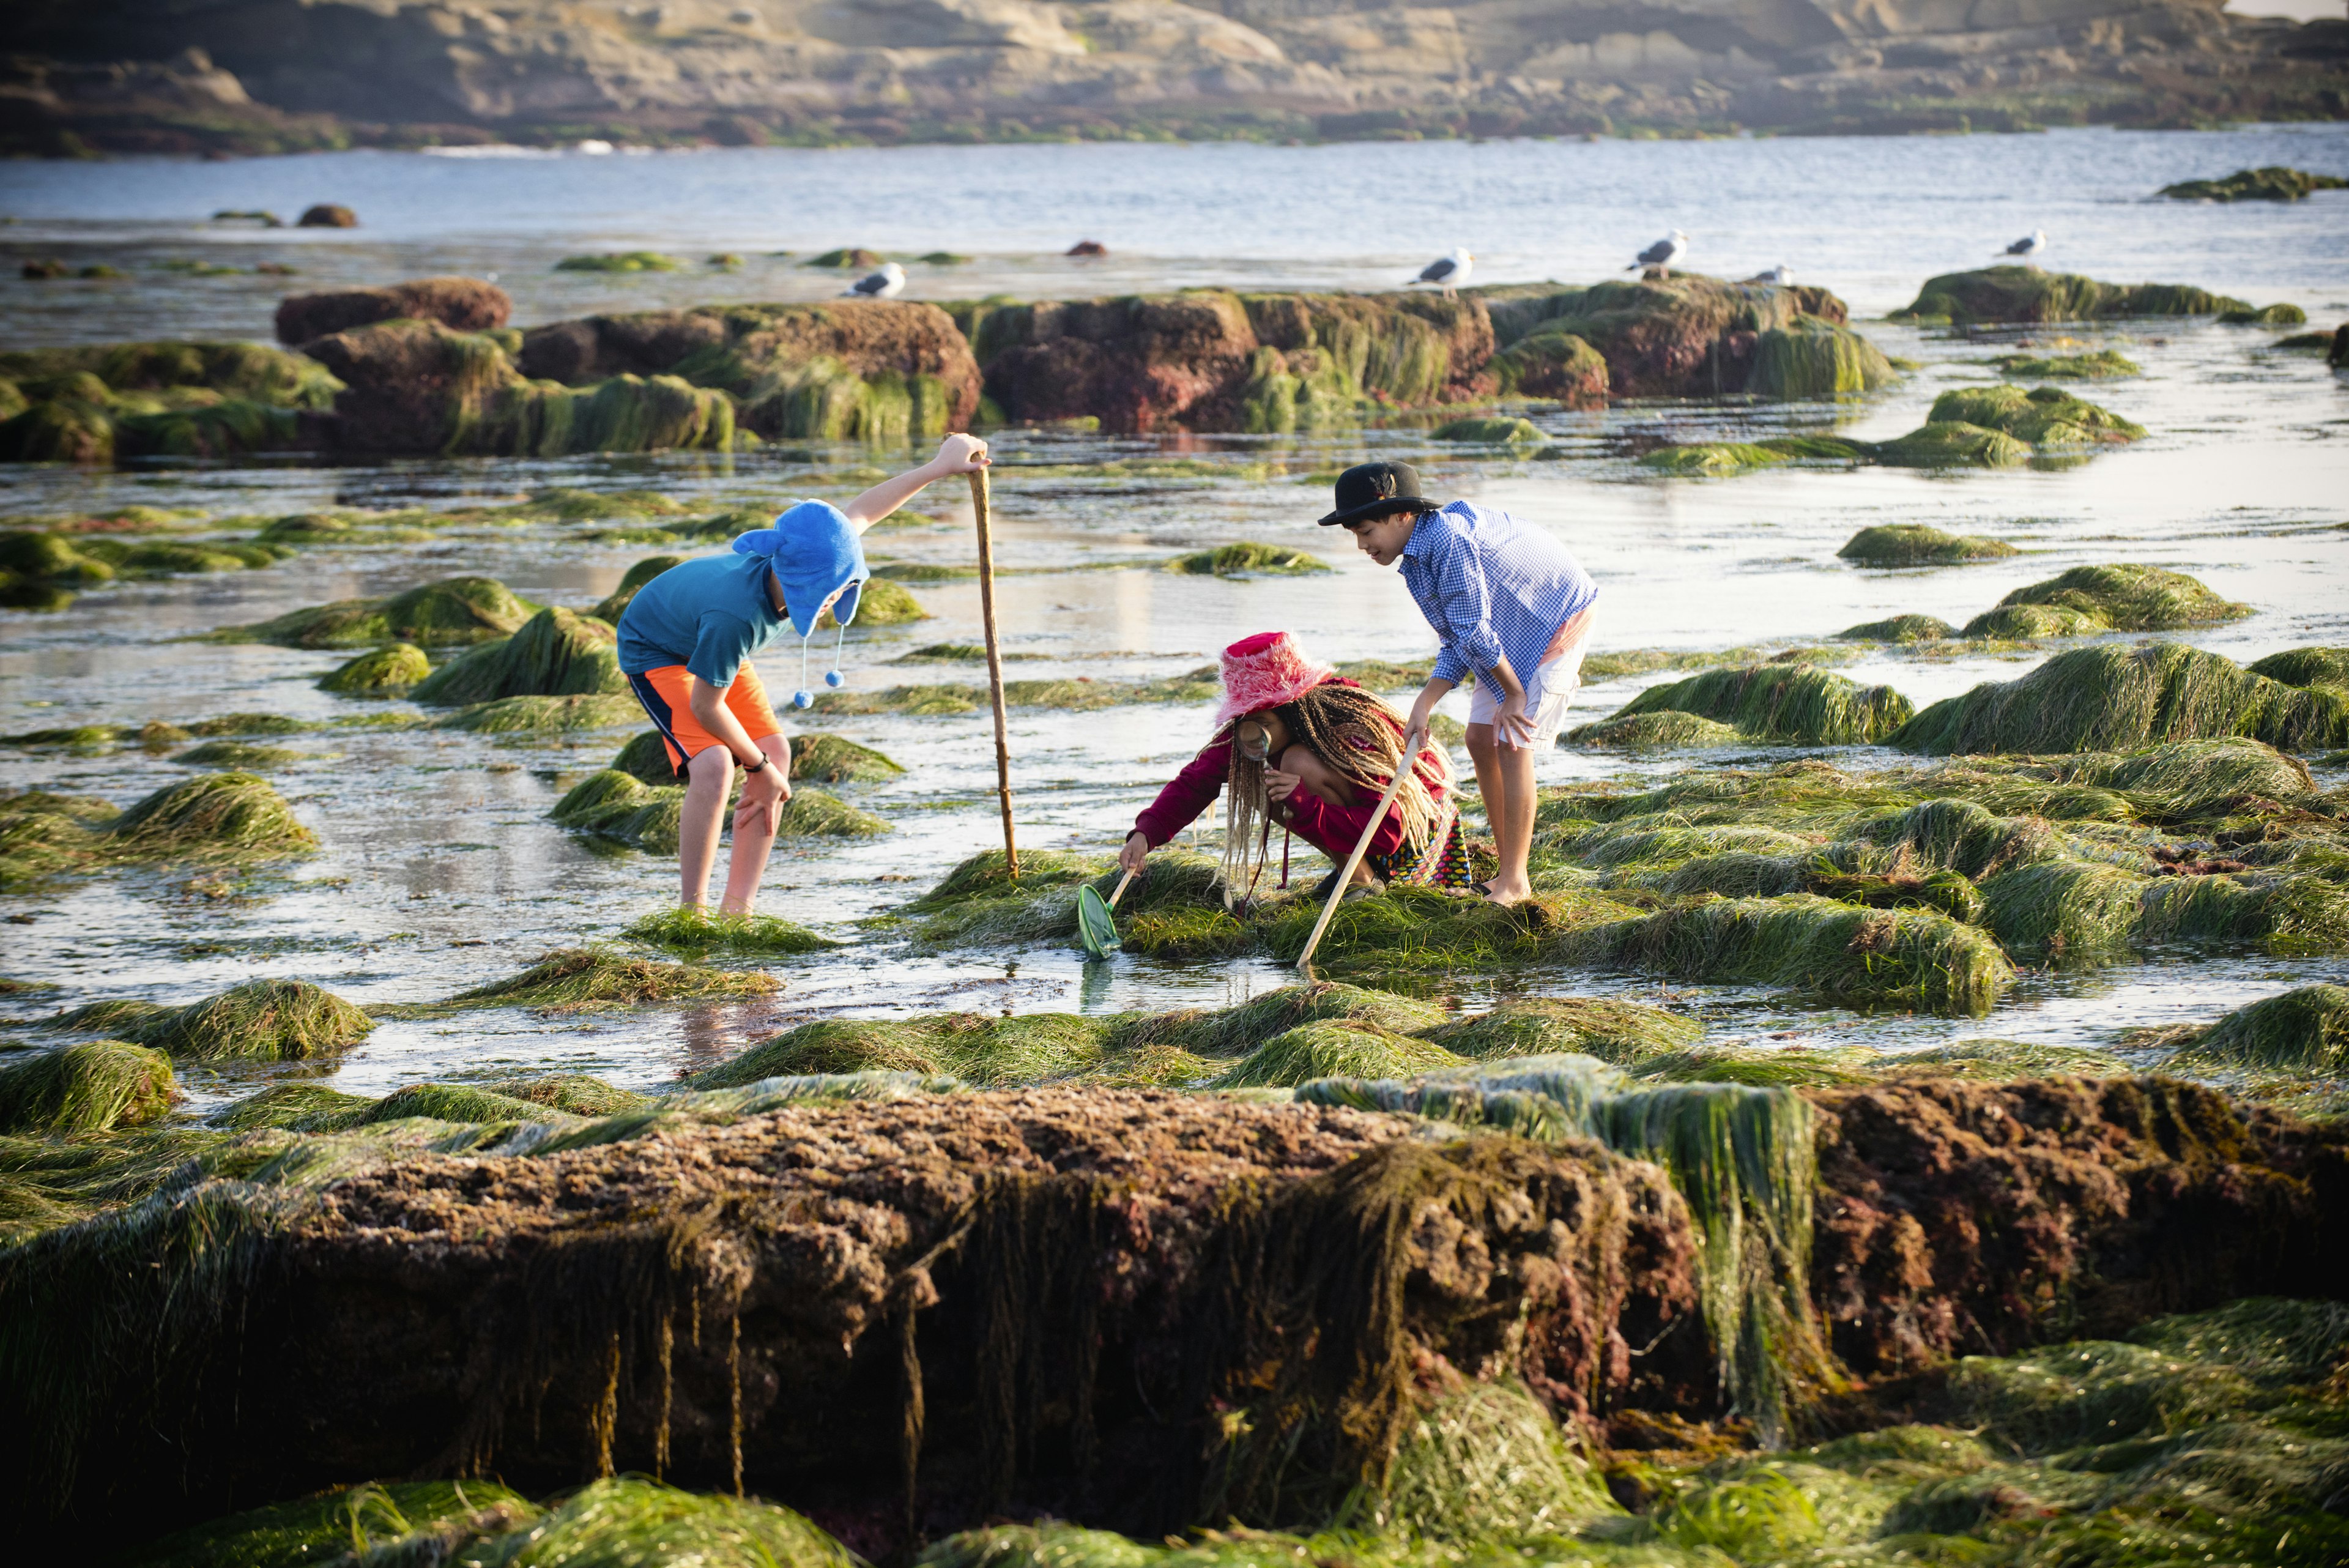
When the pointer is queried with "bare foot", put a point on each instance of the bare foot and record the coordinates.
(1497, 891)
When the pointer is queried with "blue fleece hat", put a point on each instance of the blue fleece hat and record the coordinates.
(813, 550)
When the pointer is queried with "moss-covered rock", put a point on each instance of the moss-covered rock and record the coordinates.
(2274, 182)
(1790, 704)
(2099, 365)
(2112, 699)
(2026, 293)
(635, 577)
(2089, 600)
(1248, 559)
(813, 813)
(697, 932)
(1951, 444)
(2045, 417)
(262, 1020)
(621, 807)
(1551, 362)
(246, 755)
(1692, 335)
(386, 672)
(543, 715)
(2301, 1030)
(2306, 667)
(554, 654)
(91, 1089)
(2266, 315)
(1917, 545)
(1490, 430)
(455, 610)
(1625, 1032)
(229, 815)
(1817, 359)
(830, 759)
(572, 980)
(1899, 628)
(621, 261)
(1657, 729)
(1335, 1049)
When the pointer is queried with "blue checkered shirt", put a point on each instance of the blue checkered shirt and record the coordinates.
(1491, 584)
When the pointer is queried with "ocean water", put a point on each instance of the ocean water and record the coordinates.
(438, 869)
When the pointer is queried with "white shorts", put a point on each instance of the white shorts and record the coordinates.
(1548, 694)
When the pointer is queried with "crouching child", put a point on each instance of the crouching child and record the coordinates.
(686, 644)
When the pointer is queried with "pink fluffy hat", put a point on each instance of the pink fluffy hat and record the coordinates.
(1264, 671)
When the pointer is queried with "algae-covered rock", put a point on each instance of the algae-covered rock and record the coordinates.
(1553, 363)
(621, 807)
(1917, 545)
(393, 1518)
(621, 261)
(1818, 359)
(1899, 628)
(238, 755)
(1657, 729)
(543, 715)
(386, 672)
(1789, 704)
(1489, 430)
(90, 1088)
(466, 304)
(2089, 599)
(2111, 698)
(2023, 294)
(1249, 559)
(570, 979)
(697, 931)
(215, 816)
(2101, 364)
(1712, 459)
(2306, 667)
(813, 813)
(880, 603)
(645, 759)
(554, 654)
(262, 1020)
(2046, 417)
(1335, 1049)
(1952, 444)
(2275, 182)
(635, 577)
(454, 611)
(2266, 315)
(2300, 1031)
(830, 759)
(252, 372)
(1624, 1033)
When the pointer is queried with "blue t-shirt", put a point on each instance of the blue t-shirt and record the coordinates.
(709, 614)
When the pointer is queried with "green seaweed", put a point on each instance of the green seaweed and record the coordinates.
(2116, 598)
(1899, 628)
(1796, 704)
(2101, 364)
(90, 1088)
(621, 261)
(697, 930)
(1624, 1033)
(543, 715)
(436, 614)
(1661, 728)
(1335, 1048)
(2275, 182)
(554, 654)
(577, 980)
(2305, 1030)
(1917, 544)
(386, 672)
(1248, 559)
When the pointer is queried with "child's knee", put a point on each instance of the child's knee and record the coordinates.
(1480, 742)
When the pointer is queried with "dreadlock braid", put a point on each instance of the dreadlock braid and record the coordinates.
(1359, 739)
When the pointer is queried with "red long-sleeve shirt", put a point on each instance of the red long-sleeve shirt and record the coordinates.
(1332, 829)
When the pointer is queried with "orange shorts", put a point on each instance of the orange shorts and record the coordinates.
(667, 698)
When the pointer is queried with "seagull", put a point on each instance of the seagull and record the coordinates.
(1450, 271)
(1662, 253)
(2030, 245)
(887, 284)
(1782, 274)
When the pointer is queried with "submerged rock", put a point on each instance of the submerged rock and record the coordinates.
(466, 304)
(262, 1020)
(1917, 544)
(2019, 294)
(554, 654)
(91, 1088)
(2110, 698)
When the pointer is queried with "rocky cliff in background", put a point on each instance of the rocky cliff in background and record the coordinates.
(271, 75)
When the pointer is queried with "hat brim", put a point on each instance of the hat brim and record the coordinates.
(1418, 505)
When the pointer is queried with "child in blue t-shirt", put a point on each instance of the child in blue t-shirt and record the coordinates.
(1511, 606)
(685, 643)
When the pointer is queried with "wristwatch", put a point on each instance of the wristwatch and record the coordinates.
(757, 766)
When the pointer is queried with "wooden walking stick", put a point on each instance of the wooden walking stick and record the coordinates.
(1362, 848)
(994, 667)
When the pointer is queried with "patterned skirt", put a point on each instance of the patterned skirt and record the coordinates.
(1442, 862)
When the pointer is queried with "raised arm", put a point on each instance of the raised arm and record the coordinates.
(956, 455)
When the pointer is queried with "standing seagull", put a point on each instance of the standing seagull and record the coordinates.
(1450, 271)
(2030, 245)
(887, 284)
(1662, 253)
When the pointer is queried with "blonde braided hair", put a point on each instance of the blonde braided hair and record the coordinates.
(1359, 739)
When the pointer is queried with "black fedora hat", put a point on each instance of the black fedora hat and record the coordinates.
(1375, 489)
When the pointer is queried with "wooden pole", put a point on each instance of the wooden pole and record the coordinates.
(1362, 848)
(979, 496)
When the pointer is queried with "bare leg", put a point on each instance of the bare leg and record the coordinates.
(1320, 779)
(708, 776)
(753, 841)
(1507, 781)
